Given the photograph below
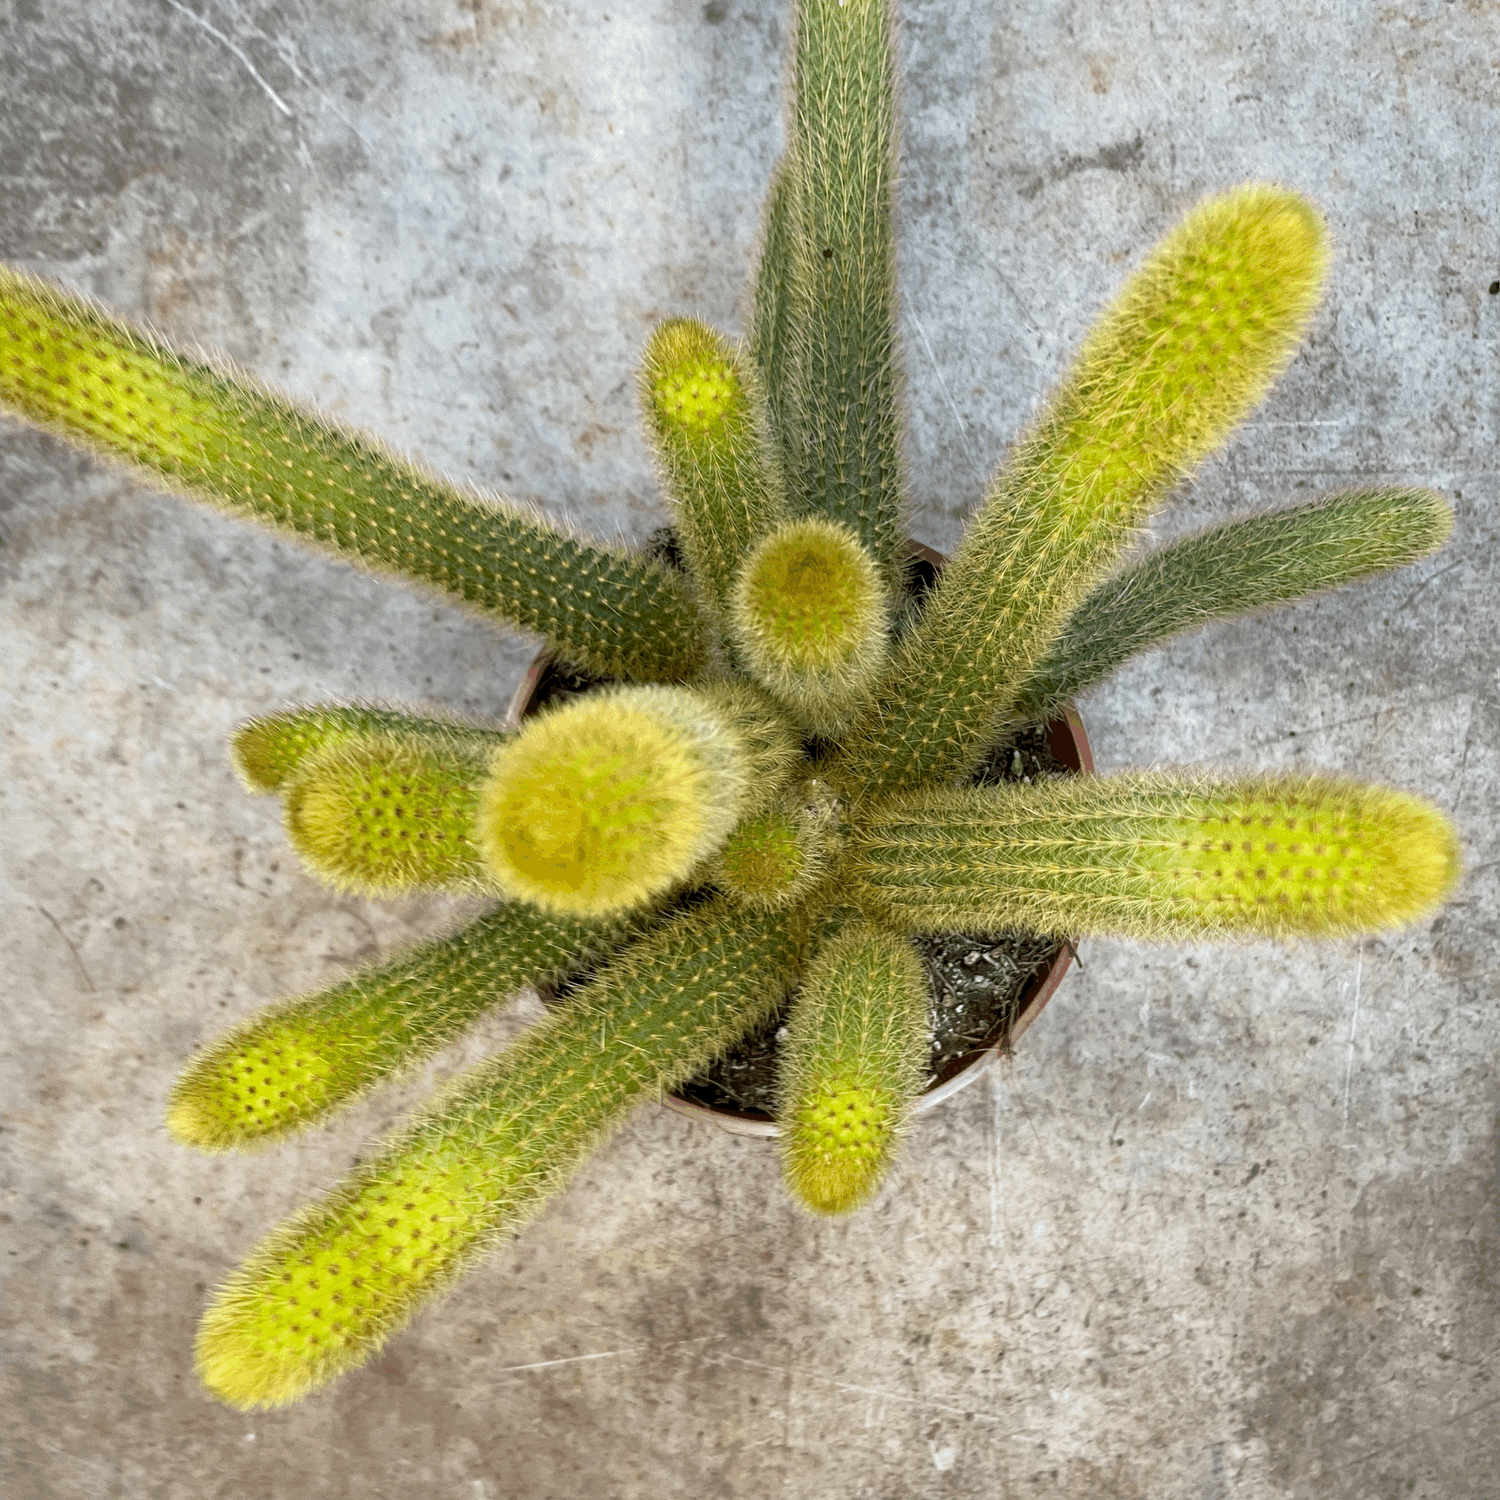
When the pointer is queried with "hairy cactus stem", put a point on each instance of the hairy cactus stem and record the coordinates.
(611, 799)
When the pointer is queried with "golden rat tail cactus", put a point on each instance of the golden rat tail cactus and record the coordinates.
(765, 795)
(704, 410)
(854, 1057)
(1155, 856)
(325, 1290)
(295, 1063)
(1187, 350)
(810, 618)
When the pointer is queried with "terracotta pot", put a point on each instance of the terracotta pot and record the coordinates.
(1066, 739)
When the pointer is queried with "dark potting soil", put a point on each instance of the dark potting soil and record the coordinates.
(978, 982)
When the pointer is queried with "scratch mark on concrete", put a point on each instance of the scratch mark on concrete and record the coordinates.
(578, 1359)
(283, 47)
(572, 1359)
(286, 50)
(1359, 968)
(1307, 422)
(218, 35)
(1463, 765)
(1408, 706)
(862, 1390)
(997, 1188)
(1428, 579)
(999, 1217)
(57, 927)
(937, 369)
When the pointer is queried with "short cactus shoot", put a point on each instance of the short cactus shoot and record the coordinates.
(769, 794)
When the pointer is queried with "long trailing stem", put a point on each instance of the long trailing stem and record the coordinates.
(839, 337)
(1154, 855)
(298, 1061)
(706, 417)
(328, 1287)
(269, 751)
(100, 383)
(852, 1066)
(1243, 565)
(771, 296)
(1188, 349)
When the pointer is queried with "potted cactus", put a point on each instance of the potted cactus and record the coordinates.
(769, 792)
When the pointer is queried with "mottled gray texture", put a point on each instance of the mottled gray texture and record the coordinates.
(1227, 1225)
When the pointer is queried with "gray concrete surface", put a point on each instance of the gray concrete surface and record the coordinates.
(1226, 1226)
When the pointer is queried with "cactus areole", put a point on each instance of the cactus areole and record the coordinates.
(773, 795)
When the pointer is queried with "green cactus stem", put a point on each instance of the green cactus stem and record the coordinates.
(770, 307)
(852, 1065)
(613, 798)
(268, 751)
(333, 1282)
(706, 417)
(775, 857)
(309, 1055)
(378, 813)
(1187, 350)
(1229, 570)
(771, 741)
(215, 437)
(1154, 856)
(844, 448)
(810, 620)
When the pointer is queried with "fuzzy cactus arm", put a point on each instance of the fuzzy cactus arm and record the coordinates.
(332, 1283)
(300, 1060)
(268, 751)
(1229, 570)
(844, 452)
(779, 854)
(379, 812)
(706, 417)
(852, 1065)
(97, 382)
(614, 797)
(810, 618)
(1154, 856)
(1187, 350)
(771, 298)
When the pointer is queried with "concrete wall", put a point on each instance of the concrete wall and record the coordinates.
(1226, 1226)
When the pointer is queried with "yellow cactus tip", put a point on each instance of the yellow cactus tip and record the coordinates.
(828, 1188)
(377, 815)
(690, 376)
(245, 1372)
(810, 596)
(254, 750)
(190, 1122)
(698, 396)
(606, 802)
(1423, 864)
(763, 856)
(774, 858)
(839, 1147)
(242, 1092)
(1263, 240)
